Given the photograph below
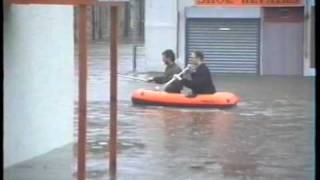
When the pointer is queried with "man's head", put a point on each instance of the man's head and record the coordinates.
(196, 58)
(168, 57)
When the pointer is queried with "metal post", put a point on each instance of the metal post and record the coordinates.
(134, 58)
(113, 96)
(82, 92)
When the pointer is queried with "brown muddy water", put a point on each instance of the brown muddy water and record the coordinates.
(269, 135)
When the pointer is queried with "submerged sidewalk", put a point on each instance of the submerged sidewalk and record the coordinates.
(55, 165)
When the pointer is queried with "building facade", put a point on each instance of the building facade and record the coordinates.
(247, 37)
(131, 22)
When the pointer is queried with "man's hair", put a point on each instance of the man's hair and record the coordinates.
(199, 55)
(169, 54)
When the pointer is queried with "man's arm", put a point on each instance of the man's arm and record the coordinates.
(168, 75)
(160, 79)
(198, 80)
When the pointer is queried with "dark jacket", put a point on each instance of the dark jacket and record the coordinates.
(201, 81)
(174, 87)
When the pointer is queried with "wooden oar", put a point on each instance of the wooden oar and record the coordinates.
(158, 87)
(134, 78)
(173, 79)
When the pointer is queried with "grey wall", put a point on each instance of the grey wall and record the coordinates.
(282, 48)
(38, 80)
(160, 31)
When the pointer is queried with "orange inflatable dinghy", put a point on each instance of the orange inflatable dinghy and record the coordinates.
(218, 99)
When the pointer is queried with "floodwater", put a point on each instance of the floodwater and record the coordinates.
(269, 135)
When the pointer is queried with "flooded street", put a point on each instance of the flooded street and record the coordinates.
(269, 135)
(259, 125)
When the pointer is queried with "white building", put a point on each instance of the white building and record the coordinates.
(38, 80)
(261, 39)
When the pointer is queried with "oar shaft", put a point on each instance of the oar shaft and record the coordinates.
(173, 79)
(131, 77)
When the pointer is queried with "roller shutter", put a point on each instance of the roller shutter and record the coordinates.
(229, 45)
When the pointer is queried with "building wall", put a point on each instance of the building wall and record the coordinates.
(282, 41)
(160, 31)
(198, 13)
(188, 9)
(160, 27)
(130, 22)
(38, 80)
(282, 49)
(182, 27)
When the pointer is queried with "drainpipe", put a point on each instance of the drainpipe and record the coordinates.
(178, 28)
(306, 39)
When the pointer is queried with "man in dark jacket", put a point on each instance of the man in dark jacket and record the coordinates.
(201, 81)
(171, 69)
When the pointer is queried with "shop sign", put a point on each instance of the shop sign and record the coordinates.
(260, 3)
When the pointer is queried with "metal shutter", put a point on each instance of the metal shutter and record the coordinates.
(229, 45)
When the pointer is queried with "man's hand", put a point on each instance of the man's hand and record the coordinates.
(191, 95)
(193, 68)
(177, 77)
(150, 79)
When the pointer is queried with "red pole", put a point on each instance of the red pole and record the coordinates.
(82, 123)
(113, 96)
